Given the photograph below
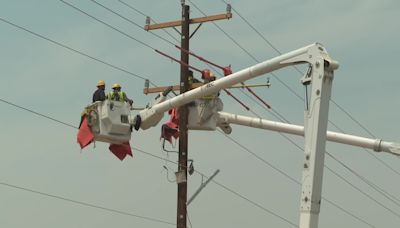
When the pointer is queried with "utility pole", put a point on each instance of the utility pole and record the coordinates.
(183, 121)
(181, 174)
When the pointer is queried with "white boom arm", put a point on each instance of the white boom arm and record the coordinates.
(151, 116)
(378, 145)
(316, 117)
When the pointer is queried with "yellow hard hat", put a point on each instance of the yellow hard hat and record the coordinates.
(116, 85)
(101, 83)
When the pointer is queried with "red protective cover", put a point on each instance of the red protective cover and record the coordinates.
(121, 150)
(85, 135)
(171, 128)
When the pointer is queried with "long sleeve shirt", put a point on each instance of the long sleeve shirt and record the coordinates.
(99, 95)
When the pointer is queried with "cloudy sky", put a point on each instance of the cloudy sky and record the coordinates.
(52, 55)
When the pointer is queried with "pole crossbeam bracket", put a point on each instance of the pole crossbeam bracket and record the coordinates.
(198, 20)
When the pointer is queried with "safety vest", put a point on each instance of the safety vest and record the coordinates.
(112, 96)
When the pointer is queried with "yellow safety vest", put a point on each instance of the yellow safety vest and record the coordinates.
(112, 96)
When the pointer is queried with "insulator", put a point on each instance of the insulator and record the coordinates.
(228, 8)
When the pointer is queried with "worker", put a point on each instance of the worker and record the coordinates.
(117, 95)
(99, 94)
(207, 76)
(191, 78)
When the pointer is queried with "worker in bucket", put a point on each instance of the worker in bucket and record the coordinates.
(207, 76)
(99, 94)
(118, 95)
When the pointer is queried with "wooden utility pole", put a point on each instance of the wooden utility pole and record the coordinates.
(181, 175)
(183, 121)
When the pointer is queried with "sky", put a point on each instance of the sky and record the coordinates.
(56, 77)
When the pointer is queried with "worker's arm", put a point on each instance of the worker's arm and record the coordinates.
(130, 101)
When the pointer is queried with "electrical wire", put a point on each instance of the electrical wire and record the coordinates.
(106, 24)
(388, 166)
(301, 73)
(279, 52)
(137, 25)
(127, 20)
(259, 33)
(296, 181)
(241, 47)
(152, 20)
(62, 1)
(387, 195)
(73, 50)
(244, 50)
(362, 192)
(164, 159)
(137, 149)
(220, 184)
(224, 187)
(120, 15)
(33, 33)
(190, 222)
(327, 167)
(86, 204)
(230, 190)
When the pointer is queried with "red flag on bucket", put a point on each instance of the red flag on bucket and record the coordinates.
(121, 150)
(85, 135)
(170, 129)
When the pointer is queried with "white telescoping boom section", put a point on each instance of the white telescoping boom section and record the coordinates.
(378, 145)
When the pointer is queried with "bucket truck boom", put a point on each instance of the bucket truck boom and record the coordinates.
(319, 76)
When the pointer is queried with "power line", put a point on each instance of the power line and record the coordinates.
(256, 204)
(57, 43)
(387, 195)
(294, 180)
(232, 191)
(134, 23)
(106, 24)
(85, 204)
(140, 12)
(354, 119)
(155, 156)
(362, 192)
(363, 179)
(247, 52)
(137, 25)
(39, 114)
(388, 166)
(348, 213)
(220, 184)
(241, 47)
(338, 175)
(125, 18)
(301, 73)
(224, 187)
(259, 33)
(73, 50)
(279, 52)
